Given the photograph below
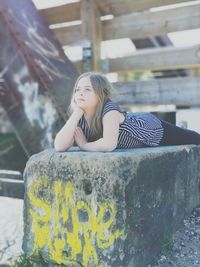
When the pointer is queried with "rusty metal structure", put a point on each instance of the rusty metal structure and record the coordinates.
(36, 77)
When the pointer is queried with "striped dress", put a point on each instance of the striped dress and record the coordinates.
(137, 129)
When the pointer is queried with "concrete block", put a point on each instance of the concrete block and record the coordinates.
(113, 209)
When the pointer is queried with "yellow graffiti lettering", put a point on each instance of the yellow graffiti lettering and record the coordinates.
(71, 230)
(41, 212)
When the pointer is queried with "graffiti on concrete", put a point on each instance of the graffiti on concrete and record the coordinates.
(7, 66)
(38, 108)
(72, 230)
(43, 47)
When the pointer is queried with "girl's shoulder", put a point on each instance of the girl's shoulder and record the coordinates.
(111, 105)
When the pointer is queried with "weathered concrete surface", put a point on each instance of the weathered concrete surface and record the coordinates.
(107, 209)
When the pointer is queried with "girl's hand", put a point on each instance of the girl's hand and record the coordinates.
(75, 107)
(80, 138)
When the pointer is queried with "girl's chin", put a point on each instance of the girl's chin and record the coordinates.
(81, 104)
(83, 107)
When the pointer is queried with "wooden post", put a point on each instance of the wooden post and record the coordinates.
(195, 72)
(91, 32)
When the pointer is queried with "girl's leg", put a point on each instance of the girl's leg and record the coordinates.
(174, 135)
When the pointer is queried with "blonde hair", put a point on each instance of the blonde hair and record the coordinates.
(103, 89)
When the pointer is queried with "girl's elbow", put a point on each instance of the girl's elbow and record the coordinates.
(110, 147)
(59, 148)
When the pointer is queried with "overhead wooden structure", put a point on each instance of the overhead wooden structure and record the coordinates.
(84, 23)
(137, 25)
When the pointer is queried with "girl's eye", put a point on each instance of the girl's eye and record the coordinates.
(87, 89)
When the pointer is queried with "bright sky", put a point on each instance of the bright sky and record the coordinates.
(125, 47)
(50, 3)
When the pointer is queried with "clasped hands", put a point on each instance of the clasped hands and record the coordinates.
(80, 138)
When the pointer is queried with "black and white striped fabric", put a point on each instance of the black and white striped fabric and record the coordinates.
(137, 129)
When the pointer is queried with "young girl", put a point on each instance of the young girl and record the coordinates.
(98, 124)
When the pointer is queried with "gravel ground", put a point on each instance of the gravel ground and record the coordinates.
(185, 251)
(11, 228)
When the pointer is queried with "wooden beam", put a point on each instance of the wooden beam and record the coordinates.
(8, 174)
(195, 72)
(69, 35)
(178, 91)
(139, 25)
(147, 24)
(60, 14)
(71, 12)
(166, 58)
(13, 189)
(158, 59)
(120, 7)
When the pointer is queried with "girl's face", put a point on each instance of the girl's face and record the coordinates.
(84, 94)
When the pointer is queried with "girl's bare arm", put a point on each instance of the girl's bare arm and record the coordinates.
(110, 135)
(65, 137)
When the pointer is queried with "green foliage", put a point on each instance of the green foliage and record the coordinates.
(166, 247)
(135, 76)
(29, 261)
(23, 261)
